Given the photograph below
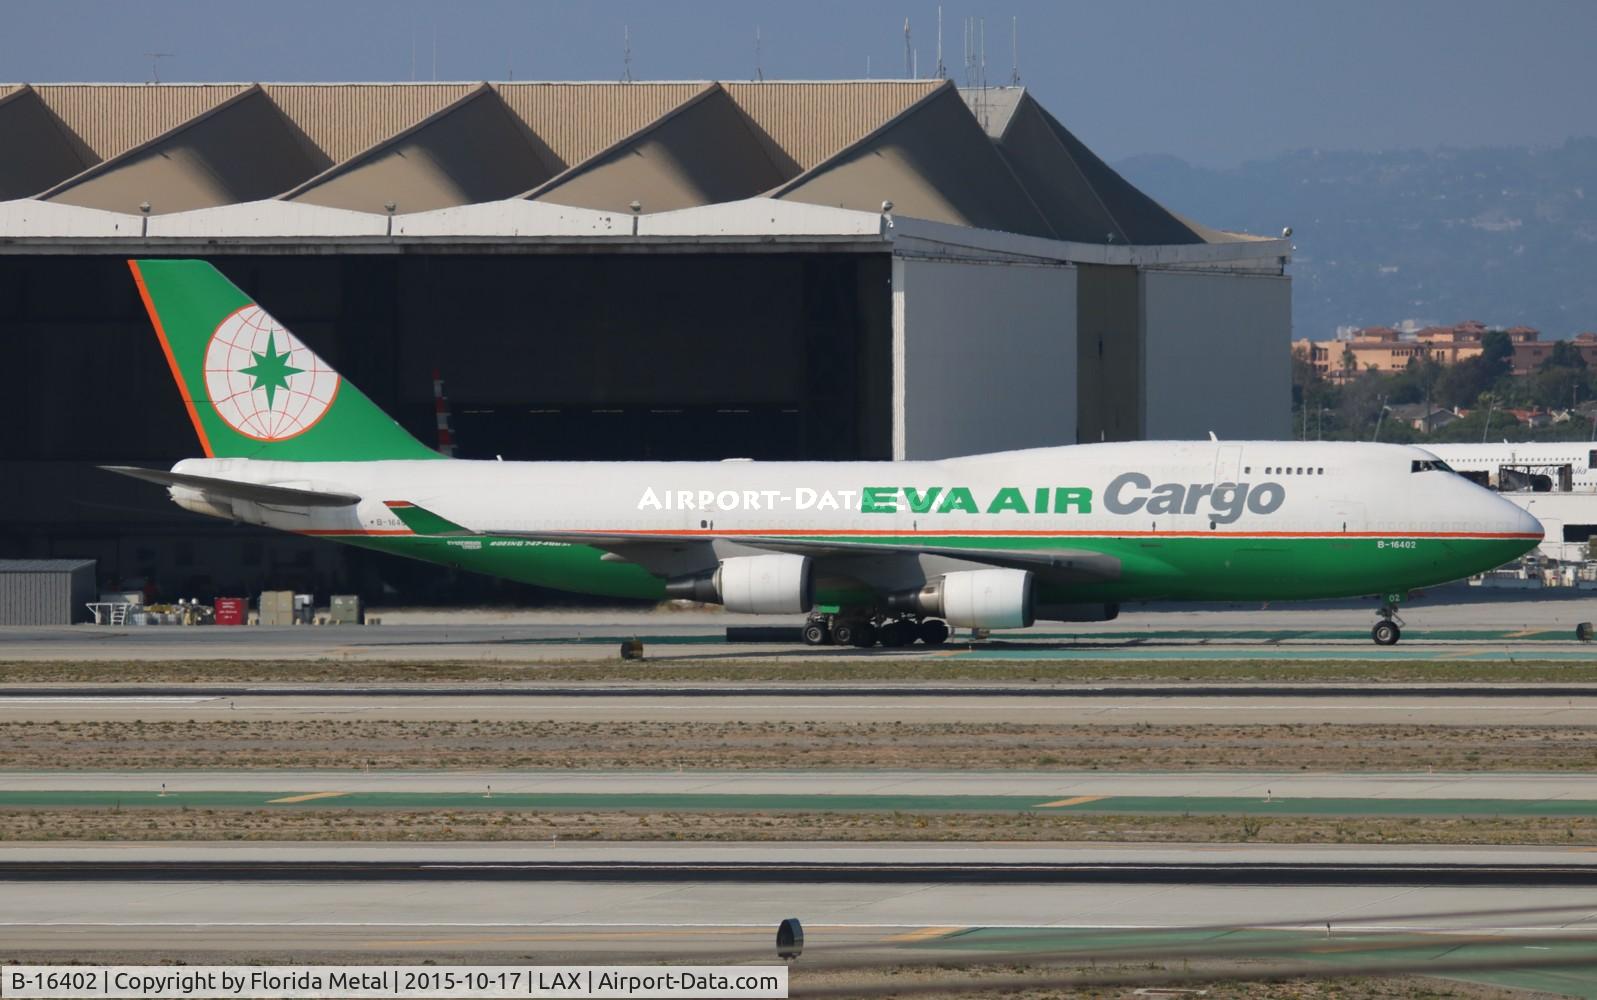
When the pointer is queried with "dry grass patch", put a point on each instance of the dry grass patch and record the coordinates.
(515, 744)
(475, 825)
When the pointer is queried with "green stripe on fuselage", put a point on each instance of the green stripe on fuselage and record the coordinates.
(1223, 567)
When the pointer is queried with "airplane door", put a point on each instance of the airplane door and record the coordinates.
(1228, 463)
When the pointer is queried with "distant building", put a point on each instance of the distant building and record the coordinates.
(1384, 349)
(1422, 417)
(1529, 355)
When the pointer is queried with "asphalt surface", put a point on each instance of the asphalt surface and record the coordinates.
(1452, 622)
(1151, 705)
(1568, 876)
(149, 900)
(1263, 788)
(713, 898)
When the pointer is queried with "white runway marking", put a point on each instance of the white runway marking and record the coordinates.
(115, 699)
(1345, 926)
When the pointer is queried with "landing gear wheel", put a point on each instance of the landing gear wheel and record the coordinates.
(865, 635)
(1386, 633)
(897, 633)
(845, 633)
(817, 634)
(933, 632)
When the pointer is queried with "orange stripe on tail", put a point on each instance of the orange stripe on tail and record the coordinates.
(171, 359)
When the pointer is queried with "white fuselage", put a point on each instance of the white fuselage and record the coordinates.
(1236, 487)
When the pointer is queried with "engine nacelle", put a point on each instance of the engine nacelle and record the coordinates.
(775, 584)
(977, 598)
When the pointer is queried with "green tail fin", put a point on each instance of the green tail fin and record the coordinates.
(251, 387)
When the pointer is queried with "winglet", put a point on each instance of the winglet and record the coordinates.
(423, 521)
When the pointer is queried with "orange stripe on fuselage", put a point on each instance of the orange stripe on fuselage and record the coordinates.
(171, 359)
(1022, 533)
(576, 536)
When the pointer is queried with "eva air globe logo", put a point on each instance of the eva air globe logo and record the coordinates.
(262, 380)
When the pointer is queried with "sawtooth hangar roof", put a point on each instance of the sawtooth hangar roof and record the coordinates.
(989, 159)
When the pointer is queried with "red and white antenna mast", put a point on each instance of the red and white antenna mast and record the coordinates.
(446, 435)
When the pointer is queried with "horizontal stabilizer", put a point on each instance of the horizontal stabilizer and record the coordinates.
(283, 496)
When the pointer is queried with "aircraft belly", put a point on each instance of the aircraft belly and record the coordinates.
(576, 568)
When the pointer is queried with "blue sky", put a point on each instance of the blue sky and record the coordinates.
(1211, 82)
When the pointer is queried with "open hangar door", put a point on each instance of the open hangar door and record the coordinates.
(606, 356)
(985, 356)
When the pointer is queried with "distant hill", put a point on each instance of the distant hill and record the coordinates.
(1502, 235)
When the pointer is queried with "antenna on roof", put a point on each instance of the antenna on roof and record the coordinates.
(626, 53)
(976, 65)
(1014, 51)
(984, 55)
(969, 79)
(942, 71)
(908, 56)
(759, 67)
(155, 64)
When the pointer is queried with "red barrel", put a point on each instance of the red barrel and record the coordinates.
(232, 610)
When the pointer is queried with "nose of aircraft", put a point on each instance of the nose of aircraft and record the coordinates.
(1512, 530)
(1506, 516)
(1526, 524)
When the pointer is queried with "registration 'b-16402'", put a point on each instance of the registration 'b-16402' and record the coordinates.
(889, 552)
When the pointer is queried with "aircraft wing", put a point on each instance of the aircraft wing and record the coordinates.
(1072, 563)
(282, 496)
(1075, 563)
(652, 550)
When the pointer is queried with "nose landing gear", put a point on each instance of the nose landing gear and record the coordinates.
(1390, 628)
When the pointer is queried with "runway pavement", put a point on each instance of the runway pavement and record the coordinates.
(703, 915)
(1462, 622)
(1152, 705)
(711, 900)
(1037, 784)
(1527, 797)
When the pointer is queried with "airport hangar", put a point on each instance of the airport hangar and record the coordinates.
(600, 271)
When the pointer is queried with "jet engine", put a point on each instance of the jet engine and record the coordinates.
(775, 584)
(977, 598)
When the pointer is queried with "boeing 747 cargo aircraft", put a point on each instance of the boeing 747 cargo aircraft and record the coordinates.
(889, 552)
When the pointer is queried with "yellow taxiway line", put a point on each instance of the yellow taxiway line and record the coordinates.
(1061, 803)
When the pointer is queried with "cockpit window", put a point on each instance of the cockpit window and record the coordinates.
(1429, 465)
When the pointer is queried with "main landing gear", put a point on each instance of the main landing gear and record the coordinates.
(867, 629)
(1390, 628)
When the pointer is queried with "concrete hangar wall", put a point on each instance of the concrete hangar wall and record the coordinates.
(760, 304)
(994, 354)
